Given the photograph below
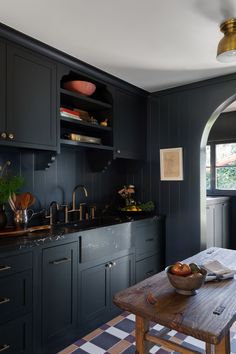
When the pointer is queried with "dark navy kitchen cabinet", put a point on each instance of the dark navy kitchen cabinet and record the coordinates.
(16, 299)
(94, 293)
(107, 266)
(2, 85)
(63, 288)
(30, 116)
(147, 238)
(129, 125)
(98, 284)
(121, 275)
(16, 336)
(59, 292)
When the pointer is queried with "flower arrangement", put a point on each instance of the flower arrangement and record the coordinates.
(9, 184)
(127, 194)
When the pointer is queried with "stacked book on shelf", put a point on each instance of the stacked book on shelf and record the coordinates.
(66, 112)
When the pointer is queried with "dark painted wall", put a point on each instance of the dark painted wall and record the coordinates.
(69, 169)
(178, 118)
(224, 128)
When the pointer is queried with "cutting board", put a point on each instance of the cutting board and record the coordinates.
(11, 231)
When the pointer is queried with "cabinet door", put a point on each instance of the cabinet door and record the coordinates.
(129, 125)
(16, 336)
(59, 288)
(225, 225)
(218, 225)
(2, 87)
(147, 267)
(31, 99)
(93, 293)
(121, 275)
(210, 226)
(146, 235)
(15, 295)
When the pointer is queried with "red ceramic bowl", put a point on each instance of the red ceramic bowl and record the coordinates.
(84, 87)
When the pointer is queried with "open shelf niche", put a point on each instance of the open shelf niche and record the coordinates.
(81, 116)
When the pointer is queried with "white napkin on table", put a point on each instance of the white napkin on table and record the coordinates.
(217, 270)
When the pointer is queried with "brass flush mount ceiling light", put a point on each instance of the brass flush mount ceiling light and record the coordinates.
(226, 51)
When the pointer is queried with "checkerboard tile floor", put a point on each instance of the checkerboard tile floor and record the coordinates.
(117, 336)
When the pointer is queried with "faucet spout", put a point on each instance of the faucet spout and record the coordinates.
(79, 186)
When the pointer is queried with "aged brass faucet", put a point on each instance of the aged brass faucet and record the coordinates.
(52, 215)
(79, 186)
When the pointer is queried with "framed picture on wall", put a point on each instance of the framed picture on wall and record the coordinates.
(171, 164)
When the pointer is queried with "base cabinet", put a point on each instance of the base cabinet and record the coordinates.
(217, 215)
(147, 267)
(16, 303)
(59, 290)
(147, 236)
(16, 336)
(64, 289)
(98, 284)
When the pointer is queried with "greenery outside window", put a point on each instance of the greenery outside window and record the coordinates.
(221, 167)
(208, 167)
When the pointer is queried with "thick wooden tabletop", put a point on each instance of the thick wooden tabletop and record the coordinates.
(192, 315)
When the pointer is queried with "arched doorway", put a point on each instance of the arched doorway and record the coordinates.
(215, 115)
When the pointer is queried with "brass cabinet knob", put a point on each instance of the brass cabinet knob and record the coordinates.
(11, 136)
(3, 135)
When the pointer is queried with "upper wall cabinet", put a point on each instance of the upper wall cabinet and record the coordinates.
(2, 86)
(30, 116)
(129, 125)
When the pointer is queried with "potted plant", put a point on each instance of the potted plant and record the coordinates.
(9, 184)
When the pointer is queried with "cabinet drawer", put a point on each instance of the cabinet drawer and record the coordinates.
(146, 237)
(16, 336)
(147, 267)
(15, 264)
(105, 241)
(15, 295)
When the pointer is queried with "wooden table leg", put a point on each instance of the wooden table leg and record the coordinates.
(209, 348)
(141, 327)
(224, 346)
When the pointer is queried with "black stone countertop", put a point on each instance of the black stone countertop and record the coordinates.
(62, 231)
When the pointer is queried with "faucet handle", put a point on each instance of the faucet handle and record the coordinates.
(91, 213)
(66, 211)
(81, 211)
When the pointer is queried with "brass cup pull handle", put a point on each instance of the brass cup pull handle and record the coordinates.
(4, 300)
(60, 261)
(3, 135)
(11, 136)
(2, 268)
(4, 347)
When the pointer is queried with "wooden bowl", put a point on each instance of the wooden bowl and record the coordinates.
(84, 87)
(186, 285)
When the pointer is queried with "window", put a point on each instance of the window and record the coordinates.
(208, 167)
(221, 166)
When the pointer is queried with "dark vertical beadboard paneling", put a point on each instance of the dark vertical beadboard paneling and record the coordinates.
(184, 113)
(70, 168)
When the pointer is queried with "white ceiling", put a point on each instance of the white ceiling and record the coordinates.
(153, 44)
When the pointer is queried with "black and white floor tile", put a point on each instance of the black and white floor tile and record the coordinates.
(118, 336)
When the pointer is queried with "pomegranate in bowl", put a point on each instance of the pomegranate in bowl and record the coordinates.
(86, 88)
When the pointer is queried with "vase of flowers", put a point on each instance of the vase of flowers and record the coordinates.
(9, 184)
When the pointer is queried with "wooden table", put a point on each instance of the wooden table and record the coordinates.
(191, 315)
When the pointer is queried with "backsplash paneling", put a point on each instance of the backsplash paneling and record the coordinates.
(69, 169)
